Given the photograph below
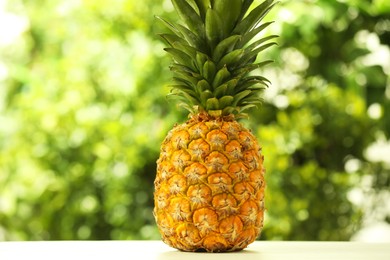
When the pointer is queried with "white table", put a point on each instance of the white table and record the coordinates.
(145, 250)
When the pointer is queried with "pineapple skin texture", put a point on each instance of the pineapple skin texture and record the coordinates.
(209, 188)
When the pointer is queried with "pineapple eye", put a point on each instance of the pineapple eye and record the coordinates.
(233, 149)
(199, 149)
(217, 139)
(180, 139)
(200, 195)
(177, 184)
(180, 159)
(216, 161)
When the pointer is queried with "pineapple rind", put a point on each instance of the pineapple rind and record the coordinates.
(209, 188)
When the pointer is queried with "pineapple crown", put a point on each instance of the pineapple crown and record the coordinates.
(214, 56)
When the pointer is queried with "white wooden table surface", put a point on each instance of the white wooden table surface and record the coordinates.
(259, 250)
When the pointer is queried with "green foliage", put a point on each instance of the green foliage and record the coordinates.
(212, 57)
(82, 116)
(83, 111)
(309, 143)
(317, 127)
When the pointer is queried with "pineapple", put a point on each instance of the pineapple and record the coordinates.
(209, 188)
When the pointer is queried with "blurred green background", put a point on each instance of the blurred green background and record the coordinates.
(83, 110)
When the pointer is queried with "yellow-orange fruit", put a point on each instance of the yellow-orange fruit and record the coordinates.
(209, 188)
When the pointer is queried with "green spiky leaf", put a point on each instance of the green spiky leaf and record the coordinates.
(212, 104)
(251, 56)
(179, 67)
(239, 96)
(171, 38)
(244, 8)
(254, 17)
(180, 57)
(231, 59)
(225, 101)
(247, 37)
(203, 85)
(171, 26)
(221, 90)
(209, 70)
(205, 95)
(230, 13)
(203, 5)
(192, 38)
(224, 47)
(213, 24)
(221, 76)
(189, 16)
(257, 43)
(190, 51)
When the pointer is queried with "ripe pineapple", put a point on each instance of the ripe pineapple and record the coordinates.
(209, 188)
